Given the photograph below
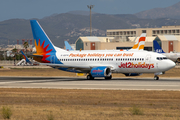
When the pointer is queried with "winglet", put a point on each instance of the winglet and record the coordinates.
(68, 47)
(139, 45)
(157, 47)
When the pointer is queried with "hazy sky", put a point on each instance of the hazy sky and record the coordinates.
(28, 9)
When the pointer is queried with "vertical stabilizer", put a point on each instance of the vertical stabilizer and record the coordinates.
(26, 58)
(42, 42)
(139, 45)
(157, 47)
(68, 46)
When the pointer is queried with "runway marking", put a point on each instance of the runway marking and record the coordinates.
(75, 83)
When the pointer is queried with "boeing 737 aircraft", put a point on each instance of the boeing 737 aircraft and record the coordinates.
(173, 56)
(98, 63)
(139, 45)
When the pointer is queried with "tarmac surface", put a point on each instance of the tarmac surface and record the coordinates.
(82, 83)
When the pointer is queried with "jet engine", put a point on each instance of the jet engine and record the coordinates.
(100, 72)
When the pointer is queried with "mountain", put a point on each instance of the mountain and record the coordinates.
(80, 12)
(168, 12)
(69, 26)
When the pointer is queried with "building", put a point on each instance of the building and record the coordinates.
(168, 38)
(92, 43)
(124, 34)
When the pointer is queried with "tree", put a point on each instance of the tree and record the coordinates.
(26, 45)
(15, 52)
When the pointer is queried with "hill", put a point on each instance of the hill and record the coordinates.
(69, 26)
(168, 12)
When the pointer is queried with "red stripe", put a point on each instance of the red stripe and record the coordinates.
(141, 39)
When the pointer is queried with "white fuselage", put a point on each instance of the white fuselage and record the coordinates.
(172, 56)
(118, 61)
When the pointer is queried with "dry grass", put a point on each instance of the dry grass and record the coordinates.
(44, 104)
(55, 72)
(38, 104)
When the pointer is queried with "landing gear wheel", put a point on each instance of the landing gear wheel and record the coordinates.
(108, 78)
(156, 77)
(89, 77)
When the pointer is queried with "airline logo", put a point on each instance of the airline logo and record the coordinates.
(41, 50)
(139, 45)
(24, 57)
(97, 71)
(159, 50)
(139, 65)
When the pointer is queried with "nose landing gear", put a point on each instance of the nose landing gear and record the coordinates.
(156, 77)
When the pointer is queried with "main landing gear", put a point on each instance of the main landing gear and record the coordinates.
(108, 78)
(90, 77)
(156, 77)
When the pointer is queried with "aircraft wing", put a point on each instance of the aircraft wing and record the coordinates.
(84, 69)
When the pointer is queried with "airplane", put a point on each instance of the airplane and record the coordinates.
(139, 45)
(172, 56)
(68, 46)
(97, 63)
(27, 60)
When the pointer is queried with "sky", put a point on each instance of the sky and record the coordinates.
(28, 9)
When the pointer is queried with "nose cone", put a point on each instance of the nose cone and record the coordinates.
(170, 65)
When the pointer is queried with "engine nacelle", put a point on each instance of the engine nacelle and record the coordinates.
(100, 72)
(132, 74)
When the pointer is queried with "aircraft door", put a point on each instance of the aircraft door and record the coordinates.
(148, 59)
(156, 65)
(53, 59)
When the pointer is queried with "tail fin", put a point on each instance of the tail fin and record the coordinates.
(157, 47)
(42, 42)
(68, 47)
(26, 58)
(139, 45)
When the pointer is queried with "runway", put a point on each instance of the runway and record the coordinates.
(82, 83)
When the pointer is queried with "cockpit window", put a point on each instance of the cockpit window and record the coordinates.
(161, 58)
